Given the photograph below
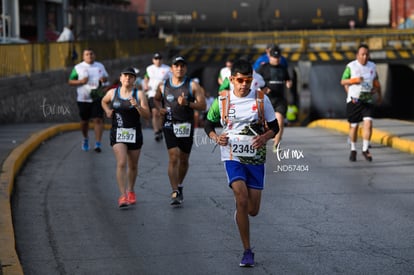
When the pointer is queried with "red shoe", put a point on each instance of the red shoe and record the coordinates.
(123, 202)
(132, 198)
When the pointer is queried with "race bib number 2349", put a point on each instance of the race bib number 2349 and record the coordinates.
(241, 145)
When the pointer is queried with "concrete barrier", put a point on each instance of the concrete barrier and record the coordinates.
(46, 97)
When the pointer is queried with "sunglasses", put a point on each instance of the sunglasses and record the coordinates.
(242, 80)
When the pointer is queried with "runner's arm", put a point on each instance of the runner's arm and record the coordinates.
(200, 100)
(260, 140)
(158, 99)
(106, 103)
(213, 120)
(143, 107)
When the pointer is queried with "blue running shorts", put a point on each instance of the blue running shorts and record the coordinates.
(252, 175)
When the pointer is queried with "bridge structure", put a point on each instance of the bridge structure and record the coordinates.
(389, 45)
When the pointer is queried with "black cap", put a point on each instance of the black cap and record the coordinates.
(275, 52)
(179, 59)
(245, 57)
(129, 70)
(157, 56)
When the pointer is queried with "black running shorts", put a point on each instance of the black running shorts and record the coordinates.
(88, 110)
(279, 105)
(357, 111)
(151, 103)
(184, 143)
(131, 146)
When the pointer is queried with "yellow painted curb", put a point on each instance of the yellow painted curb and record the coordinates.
(334, 124)
(11, 166)
(10, 264)
(378, 136)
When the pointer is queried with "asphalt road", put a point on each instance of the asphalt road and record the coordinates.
(320, 214)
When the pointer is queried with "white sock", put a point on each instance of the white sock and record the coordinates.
(353, 146)
(365, 145)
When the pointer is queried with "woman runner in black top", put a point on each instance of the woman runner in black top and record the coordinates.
(125, 105)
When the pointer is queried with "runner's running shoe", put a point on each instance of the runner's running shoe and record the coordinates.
(367, 155)
(248, 258)
(276, 148)
(175, 198)
(158, 135)
(85, 145)
(123, 202)
(132, 198)
(180, 190)
(352, 156)
(98, 147)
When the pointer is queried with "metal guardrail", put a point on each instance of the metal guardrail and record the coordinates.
(20, 59)
(25, 59)
(302, 41)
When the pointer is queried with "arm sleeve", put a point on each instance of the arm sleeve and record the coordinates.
(274, 126)
(209, 126)
(287, 76)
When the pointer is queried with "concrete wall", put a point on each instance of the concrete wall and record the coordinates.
(327, 96)
(47, 97)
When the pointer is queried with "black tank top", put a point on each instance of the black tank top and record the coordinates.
(125, 115)
(170, 96)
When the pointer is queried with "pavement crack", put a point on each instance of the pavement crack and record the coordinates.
(217, 204)
(46, 211)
